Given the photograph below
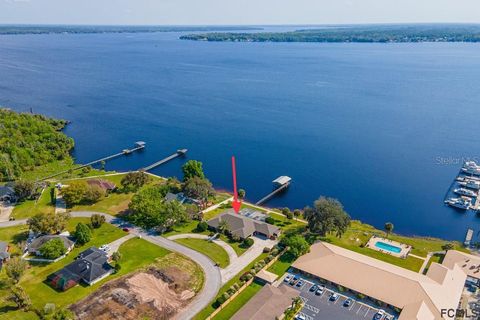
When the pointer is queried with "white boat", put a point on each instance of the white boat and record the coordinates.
(471, 167)
(460, 203)
(465, 192)
(472, 184)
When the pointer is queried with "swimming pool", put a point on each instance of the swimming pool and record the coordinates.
(388, 247)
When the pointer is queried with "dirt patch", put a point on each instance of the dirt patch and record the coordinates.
(121, 207)
(151, 294)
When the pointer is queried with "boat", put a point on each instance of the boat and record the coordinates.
(471, 167)
(466, 192)
(472, 184)
(462, 203)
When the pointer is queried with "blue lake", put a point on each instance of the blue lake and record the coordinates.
(381, 127)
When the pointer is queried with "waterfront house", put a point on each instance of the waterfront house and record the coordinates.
(243, 226)
(107, 186)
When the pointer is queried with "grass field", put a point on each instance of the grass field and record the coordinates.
(212, 250)
(29, 208)
(239, 301)
(281, 266)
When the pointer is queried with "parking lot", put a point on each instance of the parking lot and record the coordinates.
(319, 307)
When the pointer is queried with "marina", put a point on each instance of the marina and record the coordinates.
(464, 192)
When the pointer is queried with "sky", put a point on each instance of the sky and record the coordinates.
(236, 12)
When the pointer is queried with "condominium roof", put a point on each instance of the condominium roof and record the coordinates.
(469, 263)
(243, 226)
(416, 294)
(269, 303)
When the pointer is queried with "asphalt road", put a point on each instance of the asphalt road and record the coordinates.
(213, 277)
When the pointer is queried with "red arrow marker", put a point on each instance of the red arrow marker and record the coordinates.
(235, 204)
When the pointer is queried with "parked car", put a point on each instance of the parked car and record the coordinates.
(299, 283)
(389, 317)
(288, 278)
(320, 290)
(105, 248)
(300, 317)
(348, 302)
(313, 288)
(379, 315)
(126, 229)
(334, 297)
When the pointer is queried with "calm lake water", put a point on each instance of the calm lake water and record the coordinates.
(382, 127)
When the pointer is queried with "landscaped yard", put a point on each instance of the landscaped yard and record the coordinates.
(212, 250)
(239, 301)
(281, 266)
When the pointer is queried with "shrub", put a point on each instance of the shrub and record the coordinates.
(266, 250)
(269, 220)
(236, 286)
(360, 296)
(231, 291)
(248, 242)
(274, 252)
(220, 300)
(96, 220)
(297, 213)
(249, 276)
(235, 238)
(267, 259)
(289, 215)
(340, 288)
(225, 295)
(202, 226)
(117, 267)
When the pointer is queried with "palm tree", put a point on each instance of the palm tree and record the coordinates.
(448, 246)
(388, 228)
(223, 226)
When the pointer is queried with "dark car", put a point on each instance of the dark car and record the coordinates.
(299, 283)
(126, 229)
(313, 288)
(348, 302)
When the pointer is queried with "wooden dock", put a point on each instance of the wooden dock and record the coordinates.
(180, 152)
(468, 237)
(139, 145)
(280, 184)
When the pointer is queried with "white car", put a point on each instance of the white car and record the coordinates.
(300, 317)
(105, 248)
(288, 278)
(379, 315)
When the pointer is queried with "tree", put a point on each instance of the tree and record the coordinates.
(116, 256)
(20, 298)
(48, 223)
(297, 245)
(15, 268)
(63, 314)
(327, 216)
(200, 189)
(75, 192)
(133, 181)
(93, 194)
(248, 242)
(148, 209)
(174, 185)
(448, 246)
(388, 228)
(192, 168)
(96, 220)
(241, 193)
(202, 226)
(53, 249)
(297, 213)
(83, 234)
(24, 189)
(269, 220)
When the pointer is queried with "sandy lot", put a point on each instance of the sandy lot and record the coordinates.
(152, 294)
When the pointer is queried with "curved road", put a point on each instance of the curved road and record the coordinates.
(213, 277)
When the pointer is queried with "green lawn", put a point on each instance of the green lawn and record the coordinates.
(281, 266)
(210, 308)
(29, 208)
(239, 301)
(212, 250)
(136, 253)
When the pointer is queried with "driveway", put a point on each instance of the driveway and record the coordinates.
(213, 279)
(5, 211)
(246, 258)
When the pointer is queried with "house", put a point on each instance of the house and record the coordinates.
(180, 197)
(243, 226)
(7, 192)
(37, 243)
(418, 296)
(268, 304)
(90, 267)
(104, 184)
(4, 255)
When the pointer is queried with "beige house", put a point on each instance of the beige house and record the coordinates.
(268, 304)
(243, 226)
(419, 296)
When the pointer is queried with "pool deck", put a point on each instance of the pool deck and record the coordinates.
(404, 248)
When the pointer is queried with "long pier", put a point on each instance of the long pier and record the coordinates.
(180, 152)
(139, 145)
(281, 184)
